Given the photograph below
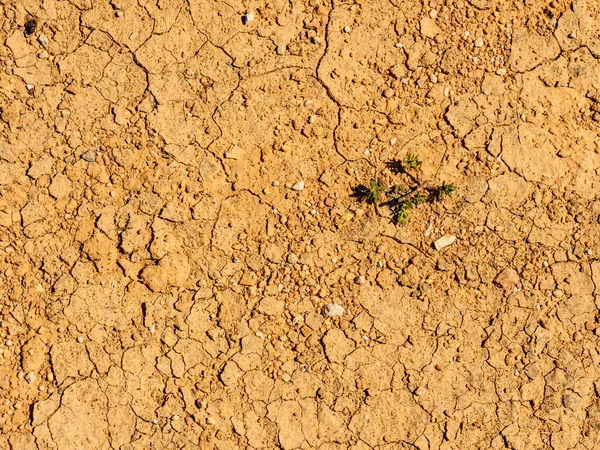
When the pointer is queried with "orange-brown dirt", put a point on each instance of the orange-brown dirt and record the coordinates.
(183, 264)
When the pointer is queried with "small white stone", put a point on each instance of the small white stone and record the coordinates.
(29, 87)
(360, 280)
(433, 13)
(447, 91)
(29, 377)
(444, 242)
(298, 186)
(572, 35)
(393, 141)
(8, 343)
(312, 119)
(501, 71)
(346, 29)
(280, 50)
(478, 42)
(399, 45)
(466, 35)
(43, 40)
(119, 13)
(79, 339)
(247, 18)
(433, 78)
(210, 421)
(333, 310)
(292, 258)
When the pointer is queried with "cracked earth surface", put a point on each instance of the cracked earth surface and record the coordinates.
(163, 286)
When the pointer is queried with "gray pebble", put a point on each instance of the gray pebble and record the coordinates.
(89, 156)
(43, 40)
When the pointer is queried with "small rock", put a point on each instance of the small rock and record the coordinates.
(388, 93)
(478, 42)
(346, 29)
(429, 28)
(360, 280)
(210, 421)
(247, 18)
(280, 50)
(298, 186)
(333, 310)
(30, 377)
(501, 72)
(89, 156)
(444, 242)
(507, 279)
(43, 40)
(329, 202)
(292, 258)
(80, 339)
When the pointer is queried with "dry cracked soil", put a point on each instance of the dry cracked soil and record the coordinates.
(183, 264)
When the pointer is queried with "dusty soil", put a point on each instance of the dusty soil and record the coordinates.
(183, 264)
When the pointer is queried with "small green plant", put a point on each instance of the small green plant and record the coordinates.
(375, 192)
(411, 162)
(402, 199)
(445, 190)
(401, 213)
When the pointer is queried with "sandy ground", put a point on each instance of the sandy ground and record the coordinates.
(183, 264)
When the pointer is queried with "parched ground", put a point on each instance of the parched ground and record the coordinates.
(183, 264)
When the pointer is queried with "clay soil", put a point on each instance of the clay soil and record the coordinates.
(184, 264)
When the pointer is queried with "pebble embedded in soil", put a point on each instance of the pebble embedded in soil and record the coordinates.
(247, 18)
(444, 241)
(89, 156)
(43, 40)
(298, 186)
(333, 310)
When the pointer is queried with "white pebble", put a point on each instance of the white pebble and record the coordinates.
(393, 141)
(333, 310)
(346, 29)
(447, 91)
(29, 377)
(433, 13)
(79, 339)
(280, 50)
(210, 421)
(478, 42)
(247, 18)
(501, 72)
(444, 242)
(433, 78)
(298, 186)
